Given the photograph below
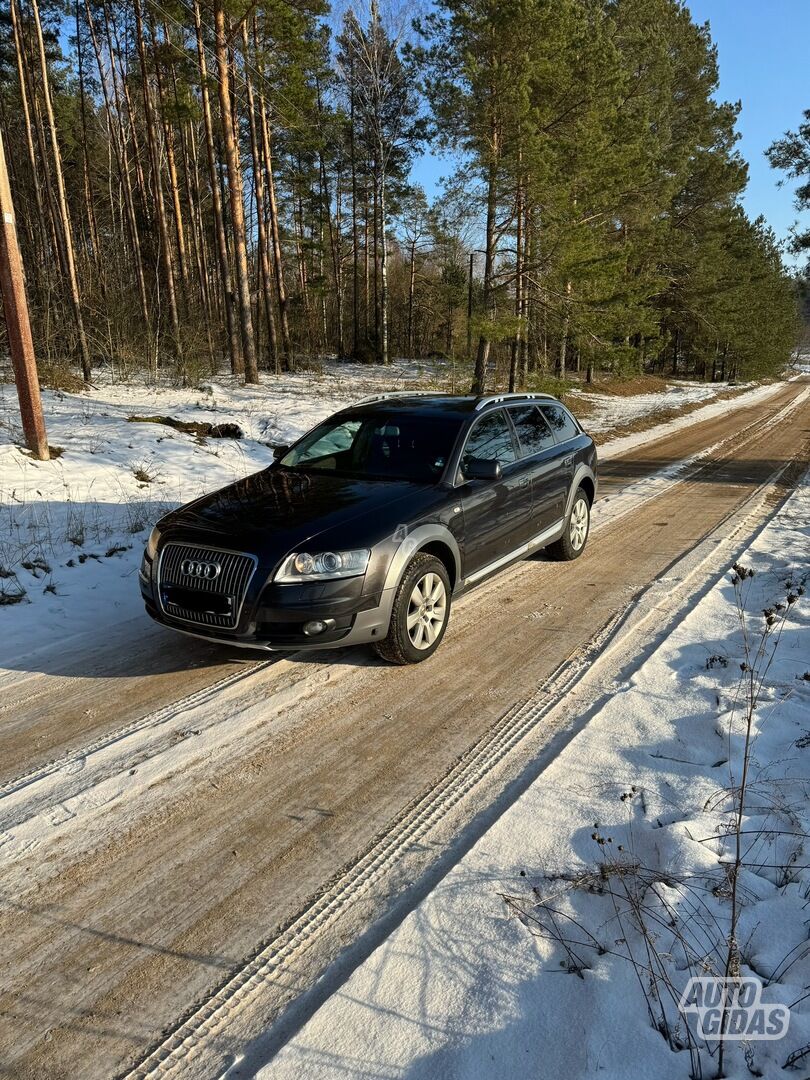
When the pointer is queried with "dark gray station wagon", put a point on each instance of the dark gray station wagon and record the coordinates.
(368, 527)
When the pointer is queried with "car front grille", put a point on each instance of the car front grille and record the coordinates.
(191, 590)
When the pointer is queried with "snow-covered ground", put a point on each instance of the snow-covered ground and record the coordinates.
(72, 529)
(607, 412)
(560, 944)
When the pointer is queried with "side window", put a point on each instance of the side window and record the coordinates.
(491, 440)
(560, 421)
(533, 432)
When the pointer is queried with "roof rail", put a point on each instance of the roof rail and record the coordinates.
(396, 394)
(490, 399)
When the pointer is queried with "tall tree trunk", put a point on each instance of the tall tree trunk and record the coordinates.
(321, 279)
(355, 234)
(275, 235)
(171, 169)
(258, 194)
(528, 255)
(198, 232)
(514, 373)
(236, 197)
(216, 202)
(298, 222)
(564, 332)
(192, 196)
(70, 259)
(366, 266)
(52, 219)
(411, 292)
(157, 185)
(376, 237)
(335, 244)
(383, 277)
(89, 195)
(482, 356)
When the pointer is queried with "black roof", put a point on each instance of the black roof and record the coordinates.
(441, 405)
(455, 406)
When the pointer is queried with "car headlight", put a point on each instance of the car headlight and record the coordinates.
(301, 566)
(152, 542)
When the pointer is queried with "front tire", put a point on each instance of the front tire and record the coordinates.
(575, 535)
(420, 613)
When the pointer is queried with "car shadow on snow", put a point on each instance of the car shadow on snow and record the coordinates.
(139, 648)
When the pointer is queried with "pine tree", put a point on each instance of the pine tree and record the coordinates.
(791, 154)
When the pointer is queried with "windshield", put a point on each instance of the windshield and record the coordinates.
(392, 446)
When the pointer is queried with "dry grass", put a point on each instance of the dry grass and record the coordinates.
(580, 407)
(627, 387)
(59, 375)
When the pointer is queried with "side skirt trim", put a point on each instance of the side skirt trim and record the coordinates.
(537, 541)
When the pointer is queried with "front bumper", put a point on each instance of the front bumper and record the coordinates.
(273, 616)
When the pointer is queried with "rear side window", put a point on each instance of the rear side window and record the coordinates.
(560, 421)
(533, 432)
(491, 440)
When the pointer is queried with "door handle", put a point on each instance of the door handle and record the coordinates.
(569, 461)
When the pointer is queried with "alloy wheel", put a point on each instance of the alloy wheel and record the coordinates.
(427, 611)
(578, 527)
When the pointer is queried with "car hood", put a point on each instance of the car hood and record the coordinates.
(278, 509)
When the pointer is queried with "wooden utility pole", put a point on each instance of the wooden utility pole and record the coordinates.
(15, 305)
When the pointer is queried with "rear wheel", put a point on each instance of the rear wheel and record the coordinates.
(420, 612)
(575, 535)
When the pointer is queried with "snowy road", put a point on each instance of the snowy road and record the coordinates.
(170, 813)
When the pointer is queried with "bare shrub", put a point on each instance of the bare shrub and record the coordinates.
(145, 471)
(11, 591)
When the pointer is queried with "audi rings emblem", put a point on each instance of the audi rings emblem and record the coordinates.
(206, 570)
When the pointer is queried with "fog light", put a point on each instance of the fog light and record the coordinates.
(315, 626)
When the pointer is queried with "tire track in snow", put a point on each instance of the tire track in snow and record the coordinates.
(76, 759)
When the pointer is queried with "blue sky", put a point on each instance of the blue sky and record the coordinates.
(763, 49)
(764, 58)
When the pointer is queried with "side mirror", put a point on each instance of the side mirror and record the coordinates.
(279, 452)
(482, 469)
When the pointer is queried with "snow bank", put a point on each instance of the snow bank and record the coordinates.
(606, 412)
(474, 985)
